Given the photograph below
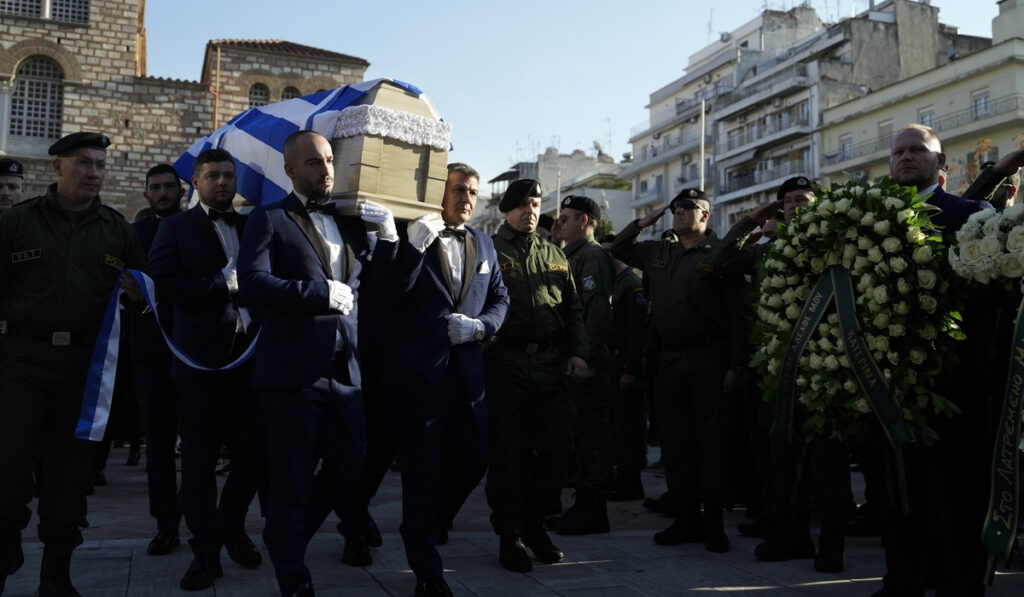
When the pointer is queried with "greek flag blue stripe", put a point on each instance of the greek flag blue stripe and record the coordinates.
(99, 384)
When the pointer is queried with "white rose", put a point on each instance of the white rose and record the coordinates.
(971, 229)
(788, 251)
(893, 357)
(1014, 212)
(861, 405)
(792, 312)
(881, 344)
(864, 243)
(874, 193)
(882, 228)
(777, 282)
(901, 308)
(803, 293)
(812, 230)
(881, 295)
(894, 203)
(850, 386)
(824, 207)
(773, 367)
(1010, 265)
(917, 356)
(927, 279)
(875, 254)
(881, 321)
(903, 215)
(923, 254)
(1015, 238)
(915, 236)
(825, 344)
(775, 301)
(928, 303)
(868, 219)
(983, 215)
(891, 244)
(929, 332)
(970, 251)
(896, 330)
(824, 328)
(843, 207)
(911, 377)
(793, 280)
(991, 246)
(849, 254)
(831, 363)
(902, 286)
(991, 225)
(789, 295)
(817, 265)
(861, 263)
(898, 264)
(815, 362)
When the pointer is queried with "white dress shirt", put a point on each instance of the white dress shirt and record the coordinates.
(331, 235)
(455, 250)
(228, 237)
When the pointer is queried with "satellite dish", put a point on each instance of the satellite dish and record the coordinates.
(598, 147)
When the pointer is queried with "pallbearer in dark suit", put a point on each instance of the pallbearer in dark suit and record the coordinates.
(452, 299)
(193, 263)
(300, 270)
(152, 361)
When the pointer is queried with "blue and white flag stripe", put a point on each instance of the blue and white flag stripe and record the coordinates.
(99, 382)
(255, 137)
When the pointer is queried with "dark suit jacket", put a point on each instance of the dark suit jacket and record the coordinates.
(145, 340)
(422, 300)
(283, 271)
(185, 262)
(955, 211)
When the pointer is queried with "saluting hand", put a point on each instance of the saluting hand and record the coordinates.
(652, 217)
(765, 212)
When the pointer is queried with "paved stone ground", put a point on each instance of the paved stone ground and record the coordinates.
(625, 562)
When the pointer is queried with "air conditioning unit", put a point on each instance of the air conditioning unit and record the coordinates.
(657, 135)
(726, 37)
(707, 78)
(777, 102)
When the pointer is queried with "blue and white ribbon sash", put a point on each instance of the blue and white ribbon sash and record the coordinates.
(99, 383)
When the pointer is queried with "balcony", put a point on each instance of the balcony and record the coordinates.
(668, 148)
(945, 123)
(691, 107)
(763, 177)
(784, 82)
(774, 132)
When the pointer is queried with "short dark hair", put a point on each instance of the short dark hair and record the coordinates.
(463, 168)
(289, 143)
(212, 156)
(162, 169)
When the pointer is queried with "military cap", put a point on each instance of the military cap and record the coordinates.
(9, 167)
(584, 204)
(545, 222)
(793, 184)
(517, 191)
(687, 198)
(79, 139)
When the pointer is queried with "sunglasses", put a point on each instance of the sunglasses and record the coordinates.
(686, 204)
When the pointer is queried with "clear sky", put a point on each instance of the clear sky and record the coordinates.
(512, 77)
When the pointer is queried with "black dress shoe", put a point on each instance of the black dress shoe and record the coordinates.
(98, 478)
(442, 537)
(201, 573)
(371, 534)
(512, 554)
(432, 587)
(51, 588)
(680, 532)
(356, 553)
(243, 551)
(134, 454)
(163, 544)
(542, 547)
(303, 590)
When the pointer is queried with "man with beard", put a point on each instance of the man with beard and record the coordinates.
(541, 344)
(152, 362)
(302, 268)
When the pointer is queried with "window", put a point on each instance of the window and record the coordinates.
(290, 93)
(980, 106)
(72, 11)
(643, 186)
(23, 8)
(846, 146)
(926, 116)
(884, 134)
(37, 102)
(259, 95)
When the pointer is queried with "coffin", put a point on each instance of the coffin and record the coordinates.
(391, 148)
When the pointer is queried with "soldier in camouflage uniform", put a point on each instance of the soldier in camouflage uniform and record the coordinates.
(540, 345)
(592, 270)
(60, 256)
(694, 317)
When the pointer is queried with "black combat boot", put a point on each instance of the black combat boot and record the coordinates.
(587, 516)
(688, 527)
(715, 539)
(55, 572)
(831, 544)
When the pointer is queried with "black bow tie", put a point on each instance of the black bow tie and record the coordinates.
(230, 217)
(459, 233)
(325, 208)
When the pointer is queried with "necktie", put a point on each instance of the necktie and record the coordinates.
(230, 217)
(459, 233)
(325, 208)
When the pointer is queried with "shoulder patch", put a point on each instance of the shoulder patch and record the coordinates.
(707, 268)
(507, 265)
(658, 264)
(589, 283)
(26, 255)
(113, 262)
(557, 267)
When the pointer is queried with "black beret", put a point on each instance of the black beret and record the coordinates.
(584, 204)
(546, 222)
(792, 184)
(79, 139)
(691, 194)
(517, 191)
(9, 167)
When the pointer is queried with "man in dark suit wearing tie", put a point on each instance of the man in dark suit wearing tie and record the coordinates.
(451, 299)
(193, 263)
(301, 270)
(152, 362)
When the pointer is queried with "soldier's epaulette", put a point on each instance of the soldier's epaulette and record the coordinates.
(557, 267)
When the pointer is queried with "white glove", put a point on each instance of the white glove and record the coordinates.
(341, 298)
(463, 329)
(422, 231)
(230, 277)
(381, 218)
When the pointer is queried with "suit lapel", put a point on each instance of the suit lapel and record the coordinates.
(201, 222)
(293, 207)
(468, 265)
(444, 268)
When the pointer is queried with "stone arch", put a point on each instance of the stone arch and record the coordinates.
(12, 57)
(312, 84)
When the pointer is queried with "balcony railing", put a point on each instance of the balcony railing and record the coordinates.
(785, 169)
(753, 134)
(691, 135)
(784, 80)
(1010, 103)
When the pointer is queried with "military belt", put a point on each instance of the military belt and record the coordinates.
(53, 338)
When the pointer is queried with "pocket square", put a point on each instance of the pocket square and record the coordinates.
(484, 268)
